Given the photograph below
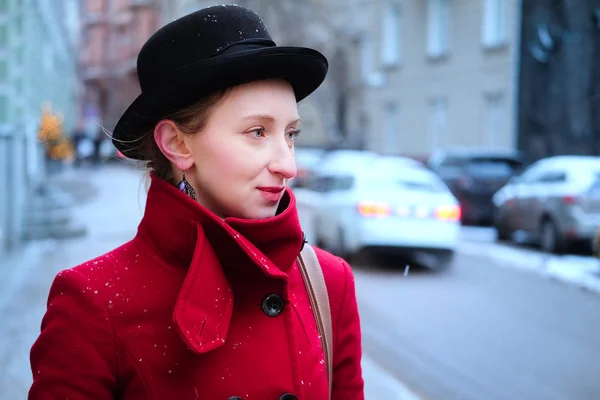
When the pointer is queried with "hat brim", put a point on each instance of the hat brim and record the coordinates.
(304, 68)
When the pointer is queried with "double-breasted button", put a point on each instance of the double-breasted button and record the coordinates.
(272, 305)
(288, 396)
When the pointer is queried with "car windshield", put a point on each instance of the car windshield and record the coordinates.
(595, 187)
(492, 168)
(407, 179)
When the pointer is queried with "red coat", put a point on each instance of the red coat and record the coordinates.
(197, 308)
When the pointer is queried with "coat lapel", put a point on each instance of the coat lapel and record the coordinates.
(187, 236)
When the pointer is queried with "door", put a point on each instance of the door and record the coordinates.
(524, 192)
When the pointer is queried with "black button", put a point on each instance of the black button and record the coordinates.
(288, 396)
(235, 398)
(272, 305)
(304, 240)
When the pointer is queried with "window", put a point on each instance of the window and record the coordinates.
(451, 168)
(492, 168)
(328, 183)
(408, 184)
(3, 109)
(437, 122)
(19, 54)
(3, 35)
(19, 23)
(18, 82)
(494, 22)
(494, 119)
(48, 57)
(391, 36)
(438, 27)
(3, 71)
(553, 177)
(391, 128)
(533, 173)
(594, 190)
(366, 59)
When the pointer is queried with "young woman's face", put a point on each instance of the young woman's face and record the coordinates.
(245, 155)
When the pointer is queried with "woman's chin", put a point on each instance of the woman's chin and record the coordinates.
(256, 212)
(261, 211)
(264, 212)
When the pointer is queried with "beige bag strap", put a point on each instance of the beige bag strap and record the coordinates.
(312, 274)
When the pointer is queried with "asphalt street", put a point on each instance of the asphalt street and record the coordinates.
(478, 331)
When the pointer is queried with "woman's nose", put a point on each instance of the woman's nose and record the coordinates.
(283, 162)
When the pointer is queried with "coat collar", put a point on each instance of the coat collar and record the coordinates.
(178, 232)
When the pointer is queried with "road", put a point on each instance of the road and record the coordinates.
(476, 331)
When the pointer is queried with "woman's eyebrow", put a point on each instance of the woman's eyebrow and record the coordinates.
(266, 117)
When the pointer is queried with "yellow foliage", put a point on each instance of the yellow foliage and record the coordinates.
(50, 133)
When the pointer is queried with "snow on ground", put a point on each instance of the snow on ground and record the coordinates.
(578, 270)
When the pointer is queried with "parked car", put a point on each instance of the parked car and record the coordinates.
(382, 203)
(309, 199)
(474, 176)
(555, 202)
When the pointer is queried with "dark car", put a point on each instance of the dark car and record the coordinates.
(474, 176)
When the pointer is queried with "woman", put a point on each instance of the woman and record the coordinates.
(207, 301)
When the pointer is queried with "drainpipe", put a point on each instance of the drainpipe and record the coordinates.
(516, 50)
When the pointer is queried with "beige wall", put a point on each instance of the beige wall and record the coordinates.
(464, 77)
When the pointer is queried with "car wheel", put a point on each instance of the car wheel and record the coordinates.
(445, 262)
(550, 240)
(502, 233)
(340, 246)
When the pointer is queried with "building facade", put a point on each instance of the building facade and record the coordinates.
(113, 34)
(436, 74)
(38, 66)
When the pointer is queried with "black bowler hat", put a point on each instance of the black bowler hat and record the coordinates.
(211, 49)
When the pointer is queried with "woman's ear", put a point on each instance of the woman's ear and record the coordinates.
(169, 140)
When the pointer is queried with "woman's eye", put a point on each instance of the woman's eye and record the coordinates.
(258, 133)
(293, 135)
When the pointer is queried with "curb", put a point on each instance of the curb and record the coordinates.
(380, 384)
(584, 275)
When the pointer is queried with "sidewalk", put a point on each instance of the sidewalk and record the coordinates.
(28, 274)
(580, 271)
(111, 218)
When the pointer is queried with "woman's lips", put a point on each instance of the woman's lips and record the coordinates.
(271, 193)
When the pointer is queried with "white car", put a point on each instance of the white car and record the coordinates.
(381, 203)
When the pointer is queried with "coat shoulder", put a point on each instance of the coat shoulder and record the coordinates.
(110, 272)
(110, 262)
(334, 268)
(339, 279)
